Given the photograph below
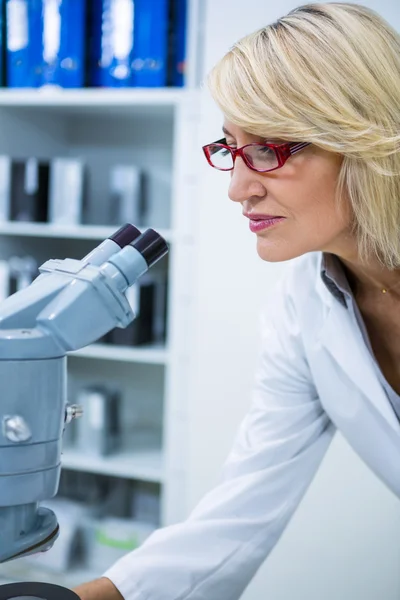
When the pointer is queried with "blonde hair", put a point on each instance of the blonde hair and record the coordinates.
(328, 74)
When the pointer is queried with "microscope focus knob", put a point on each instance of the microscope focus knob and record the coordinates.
(73, 411)
(16, 429)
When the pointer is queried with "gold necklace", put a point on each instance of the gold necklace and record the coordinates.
(386, 290)
(383, 289)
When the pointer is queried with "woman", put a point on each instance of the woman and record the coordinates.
(311, 140)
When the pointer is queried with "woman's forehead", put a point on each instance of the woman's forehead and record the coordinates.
(233, 130)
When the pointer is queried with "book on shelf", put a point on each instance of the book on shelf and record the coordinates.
(94, 43)
(136, 43)
(45, 43)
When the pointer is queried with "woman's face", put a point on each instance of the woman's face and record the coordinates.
(302, 192)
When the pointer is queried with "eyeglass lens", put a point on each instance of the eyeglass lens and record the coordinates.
(260, 157)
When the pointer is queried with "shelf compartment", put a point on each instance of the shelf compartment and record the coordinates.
(145, 465)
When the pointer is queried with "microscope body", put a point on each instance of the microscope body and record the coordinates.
(70, 305)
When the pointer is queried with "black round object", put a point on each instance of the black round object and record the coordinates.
(45, 591)
(151, 246)
(125, 235)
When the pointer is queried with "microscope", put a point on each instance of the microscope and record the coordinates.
(72, 303)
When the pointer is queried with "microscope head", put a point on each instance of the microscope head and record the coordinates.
(70, 305)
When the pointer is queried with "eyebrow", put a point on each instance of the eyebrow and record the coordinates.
(228, 133)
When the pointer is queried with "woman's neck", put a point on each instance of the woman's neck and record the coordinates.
(371, 276)
(366, 278)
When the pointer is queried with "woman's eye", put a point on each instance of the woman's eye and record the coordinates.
(264, 150)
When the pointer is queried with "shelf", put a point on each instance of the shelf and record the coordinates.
(94, 100)
(155, 355)
(83, 232)
(146, 465)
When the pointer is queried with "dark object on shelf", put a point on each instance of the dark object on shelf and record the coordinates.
(98, 433)
(29, 190)
(45, 43)
(44, 591)
(142, 299)
(148, 300)
(140, 331)
(161, 311)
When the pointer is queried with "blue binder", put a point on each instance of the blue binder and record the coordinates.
(63, 42)
(45, 42)
(23, 55)
(150, 51)
(110, 42)
(128, 43)
(177, 62)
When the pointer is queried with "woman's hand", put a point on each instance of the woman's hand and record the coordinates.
(99, 589)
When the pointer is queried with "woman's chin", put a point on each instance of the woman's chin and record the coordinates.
(276, 251)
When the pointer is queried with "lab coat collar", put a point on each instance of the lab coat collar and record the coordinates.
(334, 278)
(345, 344)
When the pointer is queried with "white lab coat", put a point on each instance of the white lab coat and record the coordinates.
(315, 375)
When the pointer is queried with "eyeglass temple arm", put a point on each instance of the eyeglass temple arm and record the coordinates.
(298, 147)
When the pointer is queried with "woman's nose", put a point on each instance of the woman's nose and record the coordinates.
(244, 183)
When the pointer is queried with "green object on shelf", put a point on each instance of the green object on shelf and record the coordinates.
(130, 544)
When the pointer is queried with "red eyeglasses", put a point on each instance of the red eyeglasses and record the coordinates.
(258, 157)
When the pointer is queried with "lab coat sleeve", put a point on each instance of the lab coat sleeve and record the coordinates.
(214, 554)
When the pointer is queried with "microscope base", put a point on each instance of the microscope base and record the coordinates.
(44, 591)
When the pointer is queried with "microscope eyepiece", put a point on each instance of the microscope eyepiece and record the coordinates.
(125, 235)
(151, 246)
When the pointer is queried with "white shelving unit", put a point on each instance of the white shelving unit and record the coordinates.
(60, 123)
(152, 355)
(157, 130)
(82, 232)
(80, 100)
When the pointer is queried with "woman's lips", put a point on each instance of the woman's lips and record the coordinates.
(261, 222)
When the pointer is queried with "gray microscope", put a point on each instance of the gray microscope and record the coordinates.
(71, 304)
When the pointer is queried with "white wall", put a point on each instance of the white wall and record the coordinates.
(344, 542)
